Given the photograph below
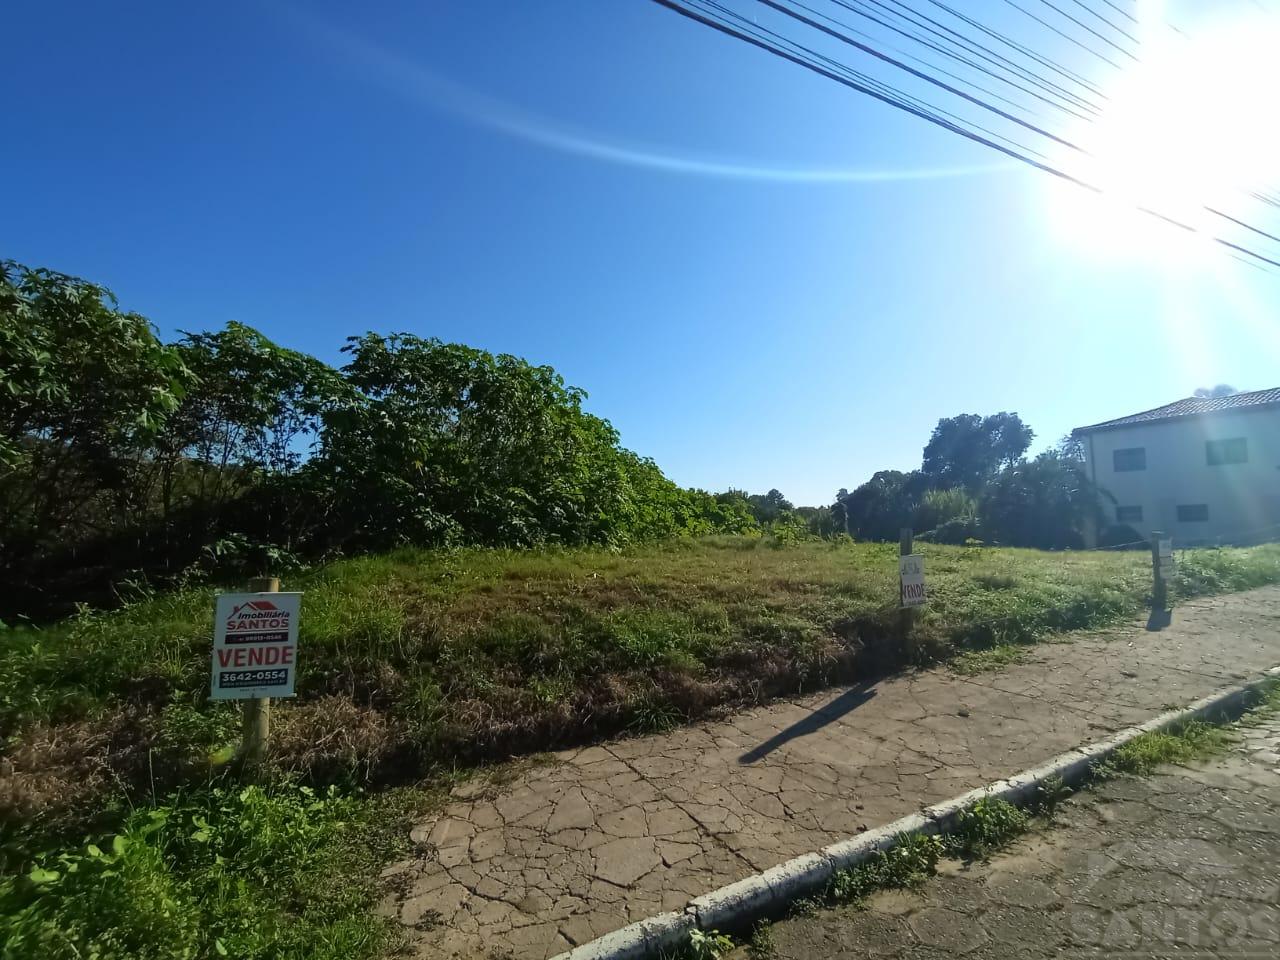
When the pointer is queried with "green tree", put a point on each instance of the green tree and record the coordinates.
(821, 521)
(441, 442)
(937, 507)
(253, 412)
(767, 507)
(84, 390)
(1043, 503)
(883, 505)
(966, 450)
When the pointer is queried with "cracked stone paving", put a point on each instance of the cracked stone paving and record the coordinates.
(606, 835)
(1185, 863)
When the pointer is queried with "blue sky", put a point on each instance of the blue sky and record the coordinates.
(697, 234)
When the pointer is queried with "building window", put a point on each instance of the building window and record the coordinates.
(1219, 452)
(1193, 513)
(1130, 458)
(1128, 514)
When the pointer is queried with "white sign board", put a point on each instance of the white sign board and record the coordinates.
(911, 575)
(255, 645)
(1165, 549)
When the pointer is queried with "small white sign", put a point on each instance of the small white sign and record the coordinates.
(911, 576)
(255, 645)
(1164, 555)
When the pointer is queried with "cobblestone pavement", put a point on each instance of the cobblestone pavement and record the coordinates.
(1182, 864)
(613, 833)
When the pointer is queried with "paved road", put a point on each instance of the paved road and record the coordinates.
(613, 833)
(1182, 864)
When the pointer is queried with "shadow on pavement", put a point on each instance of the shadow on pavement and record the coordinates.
(848, 701)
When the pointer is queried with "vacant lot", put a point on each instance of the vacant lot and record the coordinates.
(413, 658)
(414, 664)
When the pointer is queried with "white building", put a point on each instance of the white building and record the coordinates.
(1201, 470)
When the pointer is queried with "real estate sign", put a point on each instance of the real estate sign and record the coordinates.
(255, 645)
(911, 576)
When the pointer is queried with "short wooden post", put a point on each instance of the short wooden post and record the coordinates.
(1159, 594)
(256, 729)
(906, 615)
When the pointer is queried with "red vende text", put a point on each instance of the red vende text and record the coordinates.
(256, 657)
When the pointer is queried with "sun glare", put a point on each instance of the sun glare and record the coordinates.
(1190, 126)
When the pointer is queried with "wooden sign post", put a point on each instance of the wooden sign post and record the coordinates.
(255, 646)
(911, 591)
(1162, 568)
(256, 730)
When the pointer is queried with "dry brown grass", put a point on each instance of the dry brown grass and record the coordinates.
(58, 773)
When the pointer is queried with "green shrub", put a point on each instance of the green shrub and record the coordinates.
(1143, 754)
(937, 507)
(963, 531)
(248, 873)
(1213, 571)
(911, 861)
(988, 824)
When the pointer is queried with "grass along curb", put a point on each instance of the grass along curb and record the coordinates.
(766, 894)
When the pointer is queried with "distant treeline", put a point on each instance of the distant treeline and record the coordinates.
(976, 484)
(125, 460)
(125, 457)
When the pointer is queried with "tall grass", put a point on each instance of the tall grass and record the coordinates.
(415, 656)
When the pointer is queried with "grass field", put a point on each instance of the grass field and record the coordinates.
(415, 658)
(414, 665)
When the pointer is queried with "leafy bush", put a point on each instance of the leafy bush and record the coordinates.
(939, 507)
(128, 458)
(708, 945)
(957, 533)
(249, 873)
(1211, 571)
(1042, 503)
(988, 824)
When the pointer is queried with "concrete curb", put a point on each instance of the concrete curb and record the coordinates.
(761, 895)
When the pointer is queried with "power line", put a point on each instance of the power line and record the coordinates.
(1017, 146)
(774, 4)
(1120, 10)
(1084, 26)
(895, 96)
(1065, 36)
(982, 51)
(952, 55)
(856, 81)
(1118, 29)
(1020, 48)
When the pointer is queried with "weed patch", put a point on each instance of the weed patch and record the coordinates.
(280, 872)
(973, 662)
(708, 945)
(911, 861)
(1143, 754)
(986, 826)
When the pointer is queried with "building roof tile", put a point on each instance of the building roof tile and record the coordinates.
(1192, 407)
